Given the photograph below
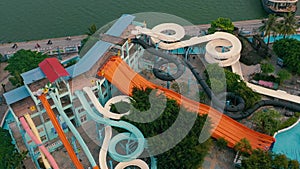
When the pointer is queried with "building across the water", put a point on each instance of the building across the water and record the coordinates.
(280, 7)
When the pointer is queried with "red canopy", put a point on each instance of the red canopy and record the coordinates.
(52, 68)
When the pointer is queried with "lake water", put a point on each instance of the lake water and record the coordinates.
(38, 19)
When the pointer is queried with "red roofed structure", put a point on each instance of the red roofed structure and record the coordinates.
(52, 68)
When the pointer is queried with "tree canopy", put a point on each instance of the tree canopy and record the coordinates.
(233, 83)
(92, 29)
(243, 147)
(267, 68)
(289, 50)
(288, 25)
(221, 143)
(23, 61)
(266, 159)
(180, 155)
(266, 121)
(221, 24)
(9, 156)
(284, 26)
(284, 75)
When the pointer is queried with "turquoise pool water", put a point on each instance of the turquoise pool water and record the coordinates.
(288, 143)
(272, 39)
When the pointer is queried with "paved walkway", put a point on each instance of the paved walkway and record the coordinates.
(7, 48)
(219, 159)
(250, 26)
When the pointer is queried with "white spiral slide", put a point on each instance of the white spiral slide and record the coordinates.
(213, 53)
(105, 112)
(108, 130)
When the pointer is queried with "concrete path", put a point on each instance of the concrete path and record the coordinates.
(7, 48)
(248, 25)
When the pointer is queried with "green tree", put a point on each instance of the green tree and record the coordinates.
(202, 97)
(269, 26)
(23, 61)
(188, 147)
(288, 25)
(280, 162)
(267, 68)
(289, 50)
(233, 83)
(221, 143)
(221, 24)
(267, 121)
(266, 159)
(89, 41)
(259, 159)
(9, 156)
(92, 29)
(243, 147)
(294, 164)
(217, 85)
(284, 75)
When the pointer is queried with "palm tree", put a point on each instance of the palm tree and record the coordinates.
(289, 25)
(269, 26)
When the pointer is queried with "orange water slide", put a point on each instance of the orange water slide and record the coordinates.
(60, 132)
(124, 78)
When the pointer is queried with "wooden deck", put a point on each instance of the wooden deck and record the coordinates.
(24, 106)
(112, 39)
(38, 84)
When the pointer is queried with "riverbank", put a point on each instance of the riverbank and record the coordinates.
(75, 41)
(34, 19)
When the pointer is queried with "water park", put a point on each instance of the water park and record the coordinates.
(68, 110)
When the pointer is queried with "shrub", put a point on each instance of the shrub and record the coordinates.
(284, 75)
(267, 68)
(221, 24)
(290, 121)
(265, 77)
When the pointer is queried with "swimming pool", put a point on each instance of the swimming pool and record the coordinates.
(273, 39)
(288, 143)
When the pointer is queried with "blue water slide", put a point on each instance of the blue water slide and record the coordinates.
(73, 130)
(135, 134)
